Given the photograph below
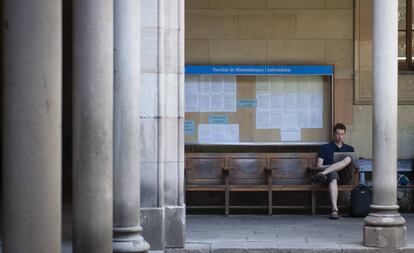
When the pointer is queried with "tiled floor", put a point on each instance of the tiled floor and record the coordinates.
(278, 233)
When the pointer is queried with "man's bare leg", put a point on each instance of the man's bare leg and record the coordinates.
(337, 166)
(333, 192)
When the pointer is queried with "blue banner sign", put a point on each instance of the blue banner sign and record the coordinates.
(189, 127)
(218, 119)
(258, 70)
(246, 103)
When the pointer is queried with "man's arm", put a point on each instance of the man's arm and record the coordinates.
(319, 163)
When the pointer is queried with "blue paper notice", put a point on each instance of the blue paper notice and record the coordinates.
(246, 103)
(218, 119)
(189, 127)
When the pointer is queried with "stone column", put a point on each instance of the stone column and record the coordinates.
(162, 114)
(127, 229)
(92, 130)
(31, 125)
(384, 226)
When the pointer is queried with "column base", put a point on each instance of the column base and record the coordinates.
(128, 239)
(385, 237)
(384, 227)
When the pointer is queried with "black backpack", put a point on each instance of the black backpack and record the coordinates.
(361, 199)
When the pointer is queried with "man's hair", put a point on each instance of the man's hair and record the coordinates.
(339, 126)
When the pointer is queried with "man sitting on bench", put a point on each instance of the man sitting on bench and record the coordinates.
(334, 170)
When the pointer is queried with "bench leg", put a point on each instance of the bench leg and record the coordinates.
(226, 202)
(313, 202)
(270, 201)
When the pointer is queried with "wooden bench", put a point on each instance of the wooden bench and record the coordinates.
(254, 172)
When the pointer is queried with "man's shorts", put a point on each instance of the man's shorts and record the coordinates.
(344, 176)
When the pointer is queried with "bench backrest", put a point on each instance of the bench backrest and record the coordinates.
(204, 170)
(291, 168)
(248, 168)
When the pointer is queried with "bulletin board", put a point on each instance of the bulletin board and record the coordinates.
(258, 104)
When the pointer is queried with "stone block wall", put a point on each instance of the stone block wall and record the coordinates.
(337, 32)
(275, 32)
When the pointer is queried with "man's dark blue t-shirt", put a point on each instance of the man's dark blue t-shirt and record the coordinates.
(326, 151)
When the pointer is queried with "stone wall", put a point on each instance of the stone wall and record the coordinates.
(301, 32)
(275, 32)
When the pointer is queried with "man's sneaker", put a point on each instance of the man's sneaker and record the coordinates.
(334, 215)
(319, 178)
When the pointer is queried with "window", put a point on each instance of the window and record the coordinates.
(405, 35)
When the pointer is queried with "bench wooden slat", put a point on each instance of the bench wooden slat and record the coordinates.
(252, 188)
(292, 187)
(198, 188)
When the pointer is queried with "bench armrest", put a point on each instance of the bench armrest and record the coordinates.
(268, 171)
(268, 176)
(226, 170)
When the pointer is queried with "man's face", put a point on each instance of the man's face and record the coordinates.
(339, 135)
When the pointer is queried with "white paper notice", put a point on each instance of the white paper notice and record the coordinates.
(276, 84)
(204, 103)
(262, 84)
(229, 102)
(263, 100)
(276, 119)
(230, 83)
(290, 119)
(205, 88)
(205, 79)
(191, 96)
(315, 84)
(316, 119)
(290, 84)
(230, 94)
(192, 79)
(207, 93)
(217, 103)
(218, 133)
(217, 85)
(316, 100)
(262, 119)
(290, 134)
(289, 101)
(204, 133)
(303, 119)
(276, 100)
(303, 101)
